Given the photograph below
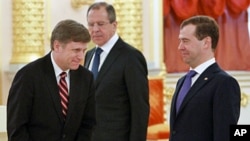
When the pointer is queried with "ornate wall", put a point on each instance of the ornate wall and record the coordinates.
(140, 23)
(28, 30)
(28, 24)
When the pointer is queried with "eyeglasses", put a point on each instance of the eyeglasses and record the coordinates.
(98, 24)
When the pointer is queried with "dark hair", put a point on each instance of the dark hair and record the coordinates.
(69, 30)
(205, 26)
(109, 8)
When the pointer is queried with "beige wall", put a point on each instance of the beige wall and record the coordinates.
(1, 54)
(5, 46)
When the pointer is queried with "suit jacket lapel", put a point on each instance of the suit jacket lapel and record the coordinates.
(178, 87)
(114, 53)
(73, 93)
(52, 85)
(204, 78)
(89, 57)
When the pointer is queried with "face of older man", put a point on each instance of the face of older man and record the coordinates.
(100, 28)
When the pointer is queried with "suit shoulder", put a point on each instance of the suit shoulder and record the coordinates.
(83, 69)
(130, 50)
(215, 70)
(32, 66)
(89, 51)
(82, 73)
(227, 76)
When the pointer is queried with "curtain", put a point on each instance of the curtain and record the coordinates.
(233, 48)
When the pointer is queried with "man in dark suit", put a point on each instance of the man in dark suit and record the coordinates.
(122, 94)
(34, 110)
(212, 104)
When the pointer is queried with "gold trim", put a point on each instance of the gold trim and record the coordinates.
(28, 30)
(129, 18)
(244, 99)
(76, 4)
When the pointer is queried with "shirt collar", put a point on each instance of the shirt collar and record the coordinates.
(57, 69)
(202, 67)
(108, 46)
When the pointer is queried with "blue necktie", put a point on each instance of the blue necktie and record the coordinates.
(96, 62)
(184, 89)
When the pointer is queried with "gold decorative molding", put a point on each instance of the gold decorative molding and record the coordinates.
(129, 17)
(244, 99)
(169, 91)
(28, 30)
(76, 4)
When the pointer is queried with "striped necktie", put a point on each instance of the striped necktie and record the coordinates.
(63, 90)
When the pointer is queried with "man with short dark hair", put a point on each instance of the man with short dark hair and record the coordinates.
(205, 111)
(52, 98)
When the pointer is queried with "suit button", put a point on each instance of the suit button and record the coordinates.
(64, 136)
(173, 132)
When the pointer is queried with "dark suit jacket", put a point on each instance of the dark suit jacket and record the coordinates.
(210, 107)
(122, 96)
(34, 109)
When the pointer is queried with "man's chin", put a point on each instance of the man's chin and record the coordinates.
(74, 67)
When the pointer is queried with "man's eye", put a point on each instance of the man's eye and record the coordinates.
(184, 41)
(76, 50)
(91, 24)
(100, 24)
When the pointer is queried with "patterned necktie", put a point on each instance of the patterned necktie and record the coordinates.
(184, 89)
(96, 62)
(63, 90)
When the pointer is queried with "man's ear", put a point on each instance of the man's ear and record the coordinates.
(207, 42)
(56, 44)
